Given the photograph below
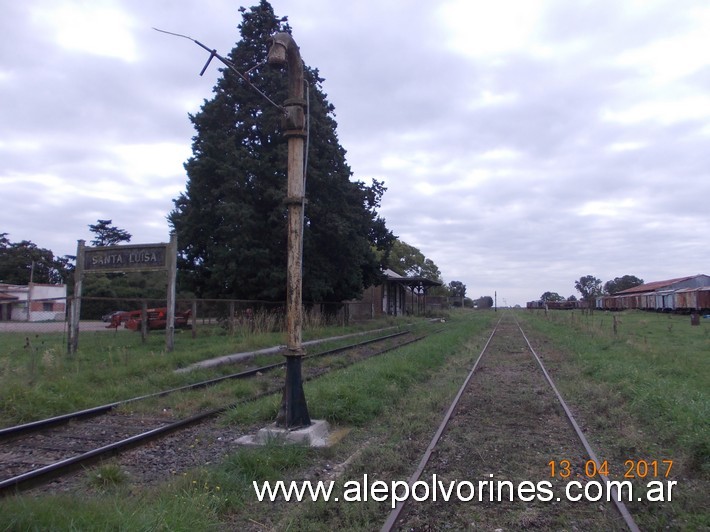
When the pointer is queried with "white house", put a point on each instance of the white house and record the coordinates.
(33, 302)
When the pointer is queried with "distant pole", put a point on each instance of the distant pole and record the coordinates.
(171, 263)
(29, 292)
(495, 301)
(144, 321)
(75, 315)
(284, 51)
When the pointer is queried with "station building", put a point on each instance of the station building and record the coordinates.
(397, 295)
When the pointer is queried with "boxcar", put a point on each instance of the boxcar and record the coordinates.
(703, 299)
(686, 299)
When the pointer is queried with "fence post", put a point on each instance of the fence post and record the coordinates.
(76, 304)
(172, 280)
(144, 321)
(194, 318)
(68, 321)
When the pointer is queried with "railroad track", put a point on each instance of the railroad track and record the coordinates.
(507, 425)
(35, 453)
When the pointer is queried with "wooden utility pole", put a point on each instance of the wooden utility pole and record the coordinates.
(75, 314)
(171, 263)
(284, 51)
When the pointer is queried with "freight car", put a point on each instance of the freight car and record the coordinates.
(557, 305)
(682, 301)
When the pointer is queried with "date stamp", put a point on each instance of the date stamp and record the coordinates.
(631, 469)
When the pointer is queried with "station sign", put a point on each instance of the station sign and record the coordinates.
(126, 258)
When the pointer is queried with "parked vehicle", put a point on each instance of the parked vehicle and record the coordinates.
(157, 319)
(109, 317)
(116, 318)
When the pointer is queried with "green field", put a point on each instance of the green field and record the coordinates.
(640, 392)
(643, 393)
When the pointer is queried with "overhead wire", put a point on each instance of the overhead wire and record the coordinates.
(305, 167)
(230, 65)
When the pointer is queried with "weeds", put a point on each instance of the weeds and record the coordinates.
(107, 476)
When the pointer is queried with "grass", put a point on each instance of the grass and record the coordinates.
(642, 392)
(182, 507)
(38, 381)
(656, 365)
(107, 476)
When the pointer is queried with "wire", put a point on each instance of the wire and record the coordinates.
(305, 168)
(230, 65)
(308, 133)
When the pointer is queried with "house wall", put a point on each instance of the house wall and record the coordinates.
(47, 302)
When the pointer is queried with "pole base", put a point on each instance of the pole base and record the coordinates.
(316, 435)
(294, 410)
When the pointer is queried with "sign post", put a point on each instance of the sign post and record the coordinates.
(75, 313)
(111, 259)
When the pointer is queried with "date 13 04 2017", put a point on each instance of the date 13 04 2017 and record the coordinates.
(631, 468)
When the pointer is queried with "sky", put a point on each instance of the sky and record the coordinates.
(524, 143)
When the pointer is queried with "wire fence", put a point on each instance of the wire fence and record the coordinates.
(44, 324)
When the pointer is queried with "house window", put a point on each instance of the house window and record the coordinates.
(48, 307)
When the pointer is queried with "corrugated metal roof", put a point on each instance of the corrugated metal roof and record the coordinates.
(410, 281)
(391, 274)
(655, 286)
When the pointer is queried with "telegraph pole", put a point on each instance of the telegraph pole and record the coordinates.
(284, 51)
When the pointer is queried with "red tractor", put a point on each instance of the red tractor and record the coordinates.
(157, 319)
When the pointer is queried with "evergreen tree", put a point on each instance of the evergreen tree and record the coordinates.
(108, 234)
(231, 220)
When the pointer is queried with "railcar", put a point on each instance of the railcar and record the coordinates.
(684, 300)
(557, 305)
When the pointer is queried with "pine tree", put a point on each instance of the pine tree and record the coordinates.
(231, 220)
(107, 234)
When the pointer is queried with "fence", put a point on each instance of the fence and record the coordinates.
(35, 327)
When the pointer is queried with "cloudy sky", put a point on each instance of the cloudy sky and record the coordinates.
(524, 143)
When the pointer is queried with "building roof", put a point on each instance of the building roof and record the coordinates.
(656, 285)
(412, 282)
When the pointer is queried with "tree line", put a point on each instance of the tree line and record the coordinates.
(591, 287)
(24, 262)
